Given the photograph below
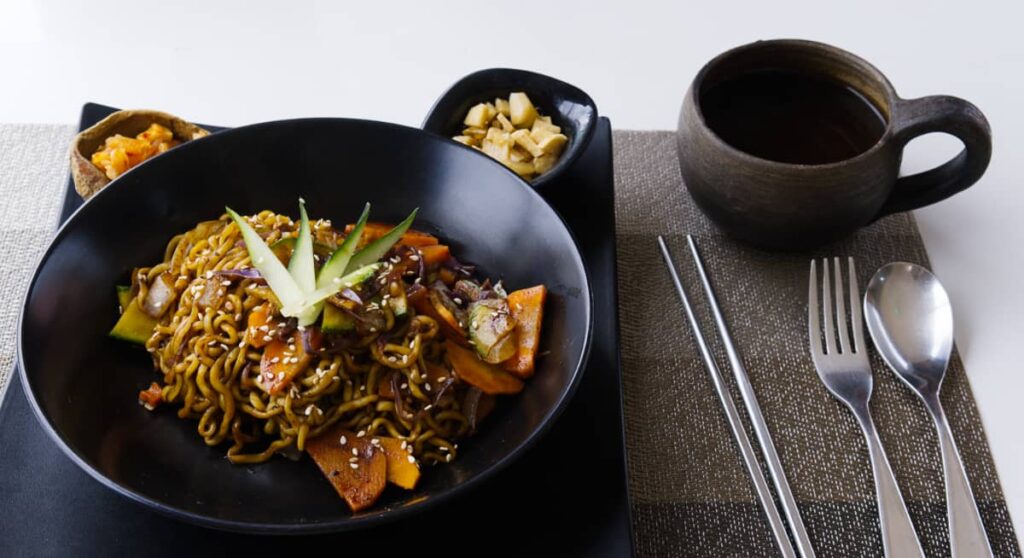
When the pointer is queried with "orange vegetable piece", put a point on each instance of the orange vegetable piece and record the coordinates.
(485, 376)
(150, 398)
(446, 276)
(527, 307)
(358, 477)
(372, 231)
(258, 317)
(283, 360)
(401, 471)
(434, 256)
(421, 301)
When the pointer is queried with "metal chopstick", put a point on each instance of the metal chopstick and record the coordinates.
(771, 457)
(732, 414)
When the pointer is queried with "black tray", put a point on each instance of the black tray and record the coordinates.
(566, 497)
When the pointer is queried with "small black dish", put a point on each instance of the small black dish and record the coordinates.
(567, 105)
(82, 385)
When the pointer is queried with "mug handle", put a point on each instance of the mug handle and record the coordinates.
(940, 113)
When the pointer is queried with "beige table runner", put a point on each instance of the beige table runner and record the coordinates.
(33, 175)
(691, 495)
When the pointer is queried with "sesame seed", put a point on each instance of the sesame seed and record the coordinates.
(241, 344)
(355, 451)
(414, 258)
(226, 283)
(392, 359)
(457, 300)
(335, 379)
(428, 407)
(209, 274)
(354, 465)
(280, 375)
(417, 281)
(361, 434)
(448, 458)
(373, 329)
(411, 459)
(404, 444)
(353, 459)
(309, 410)
(343, 440)
(267, 338)
(291, 347)
(404, 385)
(275, 360)
(427, 386)
(224, 346)
(228, 306)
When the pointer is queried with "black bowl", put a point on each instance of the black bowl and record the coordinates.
(567, 105)
(83, 385)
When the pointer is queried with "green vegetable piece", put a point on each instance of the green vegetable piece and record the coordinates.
(375, 250)
(491, 330)
(134, 326)
(301, 265)
(336, 320)
(339, 260)
(124, 297)
(264, 260)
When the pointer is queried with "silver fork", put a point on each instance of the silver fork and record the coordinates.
(844, 369)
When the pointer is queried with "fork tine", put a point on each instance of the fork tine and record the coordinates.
(844, 338)
(826, 297)
(856, 318)
(813, 323)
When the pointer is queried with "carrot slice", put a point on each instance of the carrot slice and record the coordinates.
(283, 360)
(150, 398)
(424, 303)
(401, 470)
(527, 307)
(434, 256)
(475, 372)
(358, 476)
(373, 231)
(258, 317)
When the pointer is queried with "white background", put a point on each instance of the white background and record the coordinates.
(233, 63)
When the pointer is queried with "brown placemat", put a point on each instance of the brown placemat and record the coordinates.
(690, 494)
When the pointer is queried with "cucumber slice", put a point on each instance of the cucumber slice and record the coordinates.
(336, 320)
(134, 326)
(339, 260)
(375, 250)
(124, 296)
(264, 260)
(310, 301)
(301, 264)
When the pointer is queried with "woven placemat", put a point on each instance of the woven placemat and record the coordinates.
(691, 495)
(33, 173)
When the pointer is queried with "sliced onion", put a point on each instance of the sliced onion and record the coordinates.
(160, 296)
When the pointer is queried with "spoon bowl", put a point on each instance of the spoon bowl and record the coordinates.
(911, 322)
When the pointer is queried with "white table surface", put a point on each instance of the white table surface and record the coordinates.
(236, 62)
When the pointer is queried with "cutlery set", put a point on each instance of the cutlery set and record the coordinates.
(909, 319)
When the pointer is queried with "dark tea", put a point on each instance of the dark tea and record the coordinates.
(791, 117)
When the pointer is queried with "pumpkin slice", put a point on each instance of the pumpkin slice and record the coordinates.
(355, 468)
(402, 468)
(258, 325)
(284, 359)
(475, 372)
(527, 307)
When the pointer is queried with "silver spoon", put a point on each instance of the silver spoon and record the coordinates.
(911, 322)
